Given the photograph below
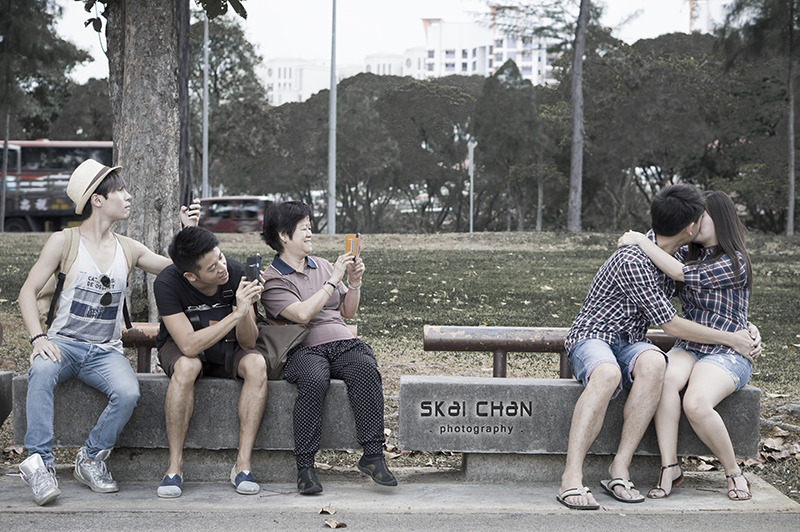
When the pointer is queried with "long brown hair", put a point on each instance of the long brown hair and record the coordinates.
(730, 234)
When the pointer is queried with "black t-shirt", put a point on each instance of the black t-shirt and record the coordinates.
(174, 294)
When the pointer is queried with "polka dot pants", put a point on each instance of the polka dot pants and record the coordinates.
(312, 368)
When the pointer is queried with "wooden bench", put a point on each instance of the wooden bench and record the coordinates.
(503, 340)
(517, 429)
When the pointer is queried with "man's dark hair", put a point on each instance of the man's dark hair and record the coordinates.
(675, 207)
(189, 246)
(113, 181)
(283, 217)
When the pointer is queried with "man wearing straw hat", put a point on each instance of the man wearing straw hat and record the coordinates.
(84, 339)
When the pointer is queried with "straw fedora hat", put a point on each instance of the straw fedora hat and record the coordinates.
(84, 180)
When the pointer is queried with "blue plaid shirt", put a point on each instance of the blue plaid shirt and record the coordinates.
(627, 294)
(713, 296)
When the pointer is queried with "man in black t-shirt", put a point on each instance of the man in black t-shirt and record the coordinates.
(208, 328)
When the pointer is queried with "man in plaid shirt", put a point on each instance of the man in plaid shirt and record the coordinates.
(608, 350)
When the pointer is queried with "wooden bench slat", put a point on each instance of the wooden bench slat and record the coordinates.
(502, 340)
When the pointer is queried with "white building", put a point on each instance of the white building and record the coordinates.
(462, 48)
(467, 48)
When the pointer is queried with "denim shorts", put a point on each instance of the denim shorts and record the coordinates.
(587, 354)
(738, 367)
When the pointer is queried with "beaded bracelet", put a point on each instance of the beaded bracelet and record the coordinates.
(40, 335)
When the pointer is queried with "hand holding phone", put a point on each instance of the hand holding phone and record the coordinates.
(253, 268)
(352, 244)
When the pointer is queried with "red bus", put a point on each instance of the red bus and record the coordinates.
(36, 186)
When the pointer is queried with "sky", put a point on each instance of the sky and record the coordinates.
(302, 28)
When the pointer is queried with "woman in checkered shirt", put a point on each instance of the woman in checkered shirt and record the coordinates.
(715, 269)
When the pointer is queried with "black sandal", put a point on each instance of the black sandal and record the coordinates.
(738, 492)
(653, 493)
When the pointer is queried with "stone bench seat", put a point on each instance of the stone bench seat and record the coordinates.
(517, 429)
(213, 437)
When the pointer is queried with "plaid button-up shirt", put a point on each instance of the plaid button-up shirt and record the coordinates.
(715, 297)
(627, 294)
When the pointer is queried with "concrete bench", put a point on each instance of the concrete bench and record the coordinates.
(210, 450)
(517, 429)
(5, 388)
(5, 395)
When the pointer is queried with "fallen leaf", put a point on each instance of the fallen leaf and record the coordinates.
(545, 287)
(335, 524)
(776, 395)
(777, 431)
(391, 456)
(705, 467)
(323, 466)
(14, 449)
(773, 443)
(8, 362)
(328, 510)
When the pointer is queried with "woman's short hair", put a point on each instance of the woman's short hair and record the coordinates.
(283, 218)
(189, 246)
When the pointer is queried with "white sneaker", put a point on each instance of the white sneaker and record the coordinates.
(41, 479)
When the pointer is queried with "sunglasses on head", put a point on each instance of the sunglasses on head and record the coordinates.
(107, 298)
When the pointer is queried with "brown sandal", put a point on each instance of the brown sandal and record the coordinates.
(739, 494)
(656, 492)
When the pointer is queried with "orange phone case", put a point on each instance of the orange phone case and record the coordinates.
(352, 244)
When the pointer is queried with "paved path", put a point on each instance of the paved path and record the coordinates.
(423, 501)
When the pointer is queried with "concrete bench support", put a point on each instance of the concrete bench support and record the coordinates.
(212, 440)
(5, 395)
(516, 430)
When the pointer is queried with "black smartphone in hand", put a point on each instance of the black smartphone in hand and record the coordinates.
(253, 267)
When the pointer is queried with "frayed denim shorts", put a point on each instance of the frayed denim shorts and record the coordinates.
(739, 368)
(587, 354)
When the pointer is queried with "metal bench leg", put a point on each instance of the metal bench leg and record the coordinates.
(565, 371)
(143, 360)
(499, 368)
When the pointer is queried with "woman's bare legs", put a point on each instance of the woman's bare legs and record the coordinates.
(667, 418)
(708, 385)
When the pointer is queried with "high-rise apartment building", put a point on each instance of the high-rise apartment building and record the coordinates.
(452, 48)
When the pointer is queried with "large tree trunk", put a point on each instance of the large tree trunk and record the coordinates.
(576, 165)
(184, 58)
(143, 61)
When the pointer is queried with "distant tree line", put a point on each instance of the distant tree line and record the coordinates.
(660, 111)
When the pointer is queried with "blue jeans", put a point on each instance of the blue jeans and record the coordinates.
(107, 371)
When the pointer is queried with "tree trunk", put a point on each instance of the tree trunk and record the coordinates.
(143, 61)
(790, 214)
(539, 198)
(184, 59)
(576, 165)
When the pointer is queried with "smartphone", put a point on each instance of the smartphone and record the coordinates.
(253, 267)
(352, 244)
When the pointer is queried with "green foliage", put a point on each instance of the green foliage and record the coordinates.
(34, 62)
(238, 105)
(86, 115)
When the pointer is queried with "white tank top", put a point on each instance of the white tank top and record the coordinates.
(81, 317)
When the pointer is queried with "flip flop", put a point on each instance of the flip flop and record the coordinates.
(609, 486)
(576, 492)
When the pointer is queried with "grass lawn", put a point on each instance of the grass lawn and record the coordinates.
(502, 279)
